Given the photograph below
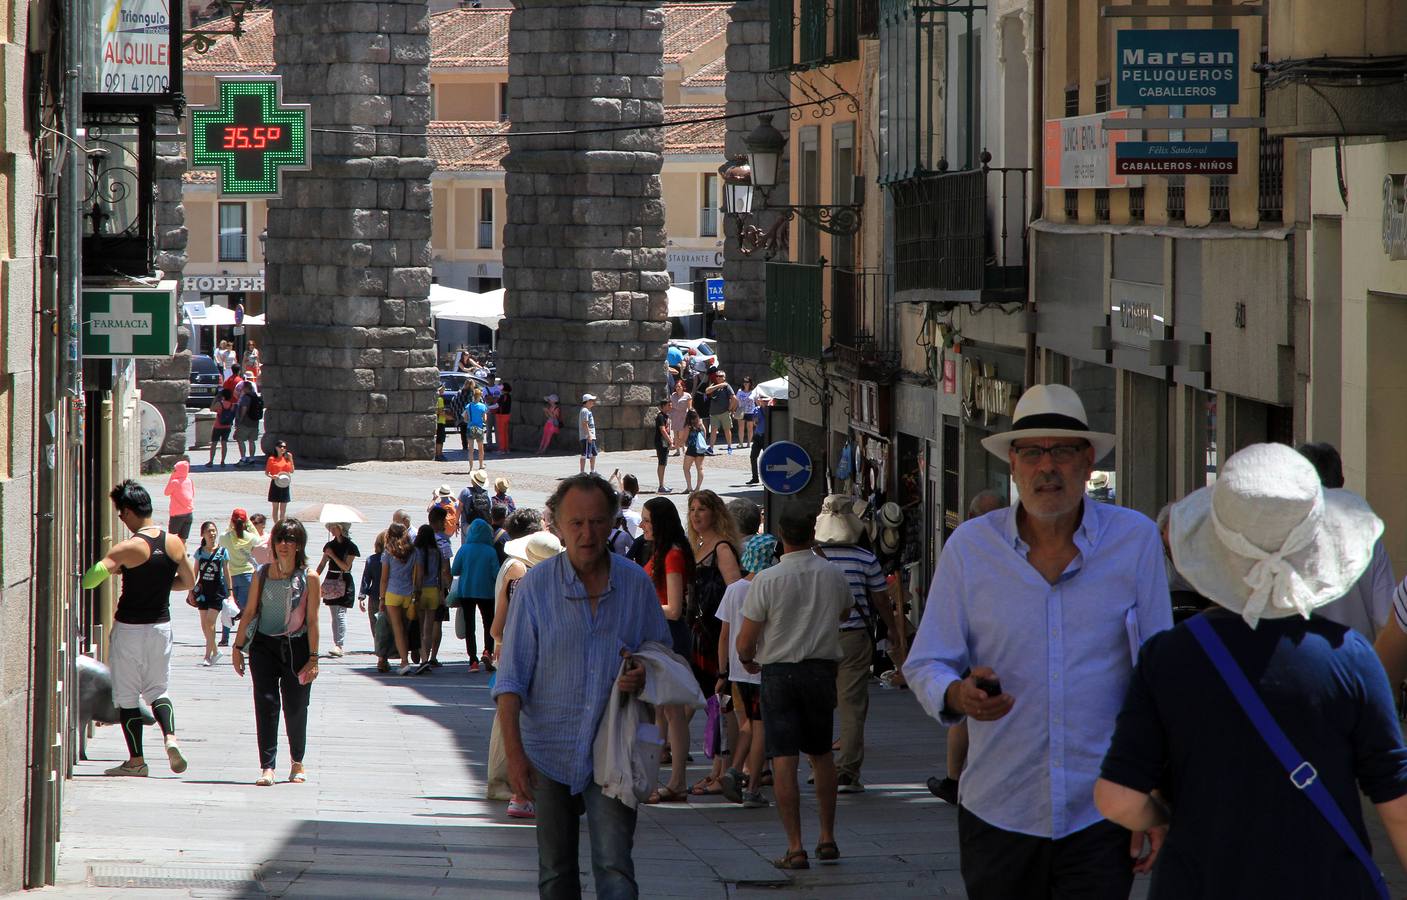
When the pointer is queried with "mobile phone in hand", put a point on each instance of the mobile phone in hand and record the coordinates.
(990, 686)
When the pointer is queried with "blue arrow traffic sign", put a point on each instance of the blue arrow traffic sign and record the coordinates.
(785, 467)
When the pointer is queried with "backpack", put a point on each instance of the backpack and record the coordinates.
(225, 416)
(256, 407)
(620, 541)
(480, 505)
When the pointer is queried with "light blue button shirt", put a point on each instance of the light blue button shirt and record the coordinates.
(1063, 651)
(562, 660)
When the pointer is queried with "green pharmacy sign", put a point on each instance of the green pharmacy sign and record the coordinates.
(129, 323)
(251, 136)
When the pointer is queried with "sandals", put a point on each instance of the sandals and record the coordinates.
(827, 851)
(794, 859)
(265, 779)
(667, 794)
(300, 775)
(706, 787)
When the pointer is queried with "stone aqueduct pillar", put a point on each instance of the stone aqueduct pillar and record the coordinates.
(584, 241)
(348, 352)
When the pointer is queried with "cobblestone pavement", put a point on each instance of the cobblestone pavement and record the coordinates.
(394, 806)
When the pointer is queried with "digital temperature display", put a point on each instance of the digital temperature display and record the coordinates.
(250, 137)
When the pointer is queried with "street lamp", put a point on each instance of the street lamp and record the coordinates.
(200, 40)
(736, 177)
(764, 153)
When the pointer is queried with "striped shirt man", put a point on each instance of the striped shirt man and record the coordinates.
(862, 573)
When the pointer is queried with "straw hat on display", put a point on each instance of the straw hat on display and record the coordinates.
(839, 521)
(1049, 411)
(1267, 541)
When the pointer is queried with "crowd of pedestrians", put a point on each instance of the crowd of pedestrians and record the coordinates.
(1111, 686)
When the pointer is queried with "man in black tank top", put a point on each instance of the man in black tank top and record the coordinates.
(153, 563)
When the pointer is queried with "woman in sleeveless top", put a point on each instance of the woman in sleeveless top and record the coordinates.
(279, 632)
(715, 539)
(212, 586)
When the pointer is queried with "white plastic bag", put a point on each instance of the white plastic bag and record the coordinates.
(228, 612)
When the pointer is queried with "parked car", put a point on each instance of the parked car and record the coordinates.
(452, 381)
(205, 382)
(702, 347)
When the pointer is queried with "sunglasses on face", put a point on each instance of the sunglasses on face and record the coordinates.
(286, 539)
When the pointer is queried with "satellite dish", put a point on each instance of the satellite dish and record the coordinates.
(153, 427)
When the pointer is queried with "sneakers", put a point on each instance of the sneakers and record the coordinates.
(732, 784)
(335, 651)
(207, 660)
(434, 663)
(752, 481)
(215, 657)
(174, 755)
(523, 810)
(665, 490)
(488, 663)
(132, 772)
(473, 665)
(405, 670)
(849, 784)
(754, 800)
(383, 666)
(945, 789)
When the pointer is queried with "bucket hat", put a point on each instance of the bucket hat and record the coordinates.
(534, 548)
(839, 521)
(1267, 541)
(1045, 411)
(759, 553)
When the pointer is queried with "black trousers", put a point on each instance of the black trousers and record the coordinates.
(759, 443)
(485, 607)
(1092, 864)
(273, 668)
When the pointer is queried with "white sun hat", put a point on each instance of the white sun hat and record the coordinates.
(1267, 541)
(1049, 410)
(538, 547)
(839, 521)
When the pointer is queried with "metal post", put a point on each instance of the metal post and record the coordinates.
(1036, 144)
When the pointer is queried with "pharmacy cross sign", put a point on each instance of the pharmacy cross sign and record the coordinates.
(250, 136)
(128, 323)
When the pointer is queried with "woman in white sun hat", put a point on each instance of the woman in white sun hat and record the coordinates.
(1256, 721)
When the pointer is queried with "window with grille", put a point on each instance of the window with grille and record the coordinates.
(1221, 198)
(1072, 100)
(1072, 205)
(1101, 204)
(1177, 198)
(234, 237)
(486, 218)
(708, 209)
(1101, 96)
(1270, 171)
(1136, 204)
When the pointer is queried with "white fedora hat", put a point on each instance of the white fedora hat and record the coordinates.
(839, 521)
(540, 546)
(1049, 410)
(1267, 541)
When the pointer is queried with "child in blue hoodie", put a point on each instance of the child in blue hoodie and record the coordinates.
(475, 568)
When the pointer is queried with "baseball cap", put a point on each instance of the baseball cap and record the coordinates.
(586, 397)
(239, 515)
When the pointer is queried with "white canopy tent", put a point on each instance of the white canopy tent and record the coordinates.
(681, 302)
(222, 315)
(776, 389)
(464, 306)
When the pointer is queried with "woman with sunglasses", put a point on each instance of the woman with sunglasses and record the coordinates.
(279, 632)
(742, 416)
(279, 468)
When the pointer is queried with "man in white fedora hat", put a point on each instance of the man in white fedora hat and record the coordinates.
(838, 530)
(1032, 624)
(1259, 704)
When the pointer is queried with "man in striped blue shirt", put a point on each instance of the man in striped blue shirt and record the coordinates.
(570, 622)
(838, 527)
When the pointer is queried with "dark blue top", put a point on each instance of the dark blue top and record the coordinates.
(1239, 828)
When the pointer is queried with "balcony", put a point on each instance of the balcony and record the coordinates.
(234, 246)
(794, 309)
(859, 346)
(961, 237)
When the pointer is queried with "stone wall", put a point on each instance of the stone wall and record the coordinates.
(349, 356)
(166, 383)
(741, 337)
(584, 241)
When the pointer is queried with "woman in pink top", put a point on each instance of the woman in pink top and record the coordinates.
(181, 490)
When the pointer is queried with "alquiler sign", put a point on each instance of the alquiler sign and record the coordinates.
(1178, 66)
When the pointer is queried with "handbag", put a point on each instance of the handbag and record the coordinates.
(334, 586)
(1303, 776)
(461, 622)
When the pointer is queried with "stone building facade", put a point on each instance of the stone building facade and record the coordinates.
(584, 253)
(349, 356)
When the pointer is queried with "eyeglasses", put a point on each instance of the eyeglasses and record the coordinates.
(1060, 453)
(286, 539)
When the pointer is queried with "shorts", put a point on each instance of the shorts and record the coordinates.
(428, 598)
(141, 663)
(662, 455)
(220, 435)
(722, 420)
(477, 432)
(181, 526)
(798, 704)
(441, 429)
(402, 601)
(203, 602)
(681, 637)
(279, 494)
(747, 699)
(588, 450)
(246, 431)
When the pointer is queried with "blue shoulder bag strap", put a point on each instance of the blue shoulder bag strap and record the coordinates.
(1302, 774)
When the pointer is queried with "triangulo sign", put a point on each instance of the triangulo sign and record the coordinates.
(1178, 66)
